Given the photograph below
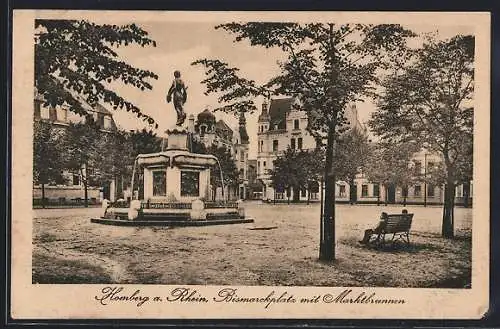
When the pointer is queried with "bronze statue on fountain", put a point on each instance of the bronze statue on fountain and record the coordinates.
(179, 92)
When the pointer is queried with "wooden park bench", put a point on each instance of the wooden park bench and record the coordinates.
(398, 225)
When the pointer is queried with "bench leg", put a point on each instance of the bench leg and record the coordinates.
(382, 240)
(393, 241)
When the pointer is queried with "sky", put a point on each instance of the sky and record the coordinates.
(179, 44)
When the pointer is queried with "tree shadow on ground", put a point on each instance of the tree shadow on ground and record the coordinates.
(389, 247)
(51, 270)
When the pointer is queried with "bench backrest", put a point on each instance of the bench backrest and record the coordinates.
(398, 223)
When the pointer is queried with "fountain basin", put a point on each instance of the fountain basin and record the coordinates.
(170, 188)
(196, 213)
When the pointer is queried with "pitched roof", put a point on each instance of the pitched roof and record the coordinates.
(278, 109)
(101, 109)
(222, 125)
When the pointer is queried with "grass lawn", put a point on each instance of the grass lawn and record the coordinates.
(68, 248)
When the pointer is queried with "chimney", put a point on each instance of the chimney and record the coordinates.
(191, 124)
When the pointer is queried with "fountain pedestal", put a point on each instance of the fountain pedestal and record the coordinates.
(174, 187)
(176, 175)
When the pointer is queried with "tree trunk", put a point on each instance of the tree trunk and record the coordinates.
(321, 232)
(296, 194)
(386, 194)
(86, 194)
(327, 247)
(308, 195)
(466, 194)
(43, 195)
(447, 229)
(352, 191)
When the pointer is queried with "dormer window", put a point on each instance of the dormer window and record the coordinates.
(107, 122)
(44, 112)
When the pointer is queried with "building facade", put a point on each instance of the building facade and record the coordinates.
(209, 131)
(282, 124)
(73, 189)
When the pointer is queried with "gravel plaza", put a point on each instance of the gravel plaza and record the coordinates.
(280, 248)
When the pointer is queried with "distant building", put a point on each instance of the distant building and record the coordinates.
(254, 185)
(282, 124)
(209, 131)
(420, 192)
(73, 188)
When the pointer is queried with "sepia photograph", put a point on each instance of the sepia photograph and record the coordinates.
(244, 152)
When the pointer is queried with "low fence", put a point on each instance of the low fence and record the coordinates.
(165, 205)
(220, 204)
(65, 203)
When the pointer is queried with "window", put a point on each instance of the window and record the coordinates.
(107, 122)
(342, 193)
(159, 183)
(76, 179)
(314, 187)
(264, 165)
(275, 145)
(190, 183)
(261, 147)
(418, 191)
(44, 112)
(100, 117)
(53, 114)
(376, 190)
(364, 191)
(292, 143)
(258, 165)
(430, 190)
(296, 124)
(299, 142)
(64, 115)
(418, 167)
(242, 156)
(430, 166)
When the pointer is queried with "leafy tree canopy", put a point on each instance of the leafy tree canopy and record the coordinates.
(48, 161)
(327, 66)
(75, 58)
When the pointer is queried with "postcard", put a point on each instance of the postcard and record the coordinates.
(208, 165)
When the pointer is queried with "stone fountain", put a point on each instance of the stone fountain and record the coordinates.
(171, 188)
